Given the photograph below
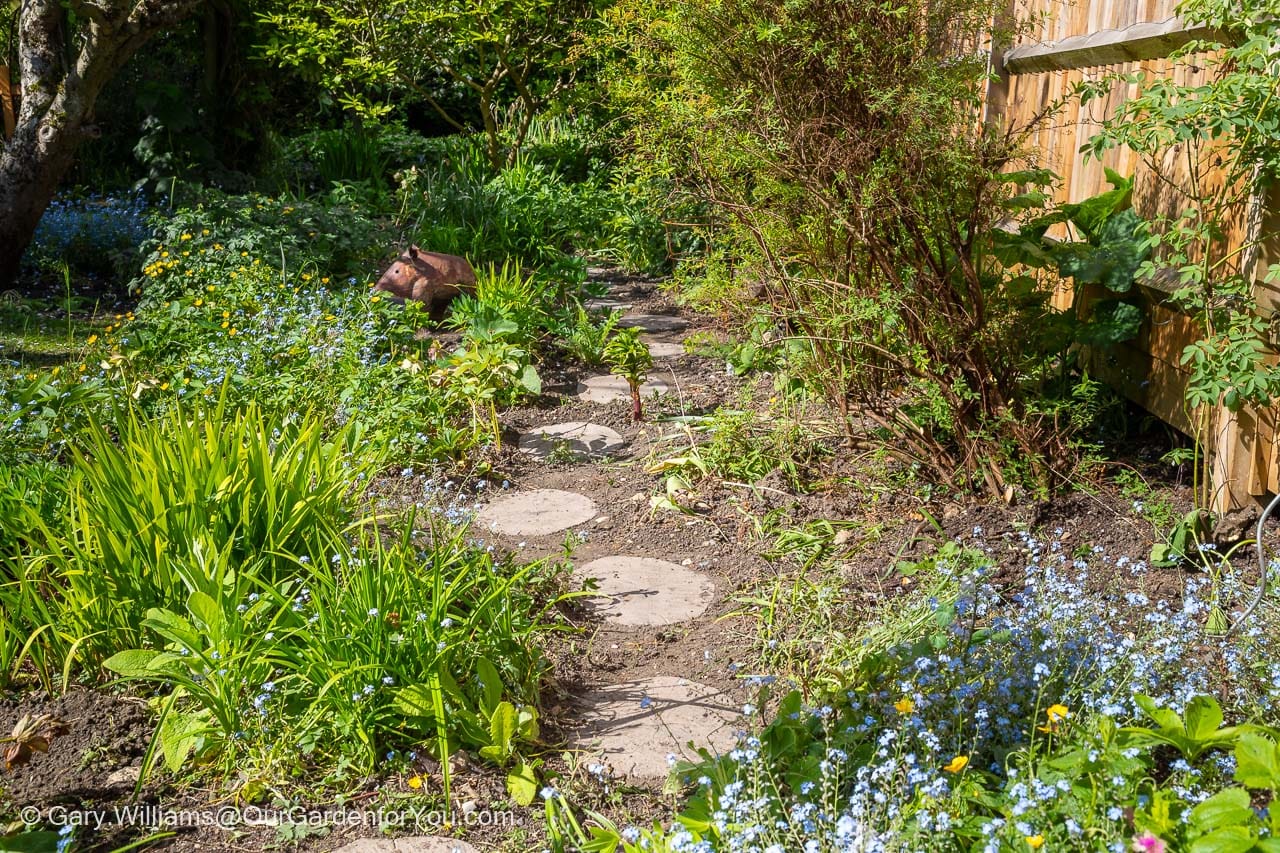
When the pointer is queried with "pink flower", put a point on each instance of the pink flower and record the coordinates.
(1148, 843)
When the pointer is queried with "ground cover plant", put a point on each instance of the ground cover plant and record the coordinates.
(1052, 714)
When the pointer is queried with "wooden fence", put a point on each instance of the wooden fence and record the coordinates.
(6, 102)
(1070, 42)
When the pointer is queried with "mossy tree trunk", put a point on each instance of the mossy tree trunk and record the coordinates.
(64, 60)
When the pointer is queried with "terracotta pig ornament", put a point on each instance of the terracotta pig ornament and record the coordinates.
(428, 277)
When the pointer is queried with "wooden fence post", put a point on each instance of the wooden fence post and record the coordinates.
(6, 102)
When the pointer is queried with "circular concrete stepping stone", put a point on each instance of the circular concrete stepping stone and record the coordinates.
(610, 389)
(537, 513)
(645, 591)
(635, 725)
(664, 349)
(654, 322)
(576, 437)
(410, 844)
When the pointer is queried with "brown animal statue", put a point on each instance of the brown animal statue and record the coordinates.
(428, 277)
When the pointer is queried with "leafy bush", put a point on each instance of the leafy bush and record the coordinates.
(851, 189)
(312, 236)
(530, 210)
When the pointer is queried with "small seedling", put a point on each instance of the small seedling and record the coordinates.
(30, 735)
(629, 357)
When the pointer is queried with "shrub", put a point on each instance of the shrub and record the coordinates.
(850, 184)
(536, 209)
(313, 236)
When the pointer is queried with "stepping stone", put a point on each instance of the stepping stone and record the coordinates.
(664, 349)
(645, 591)
(605, 304)
(411, 844)
(634, 726)
(654, 322)
(537, 513)
(578, 437)
(610, 389)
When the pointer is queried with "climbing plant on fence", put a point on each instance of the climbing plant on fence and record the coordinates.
(1228, 132)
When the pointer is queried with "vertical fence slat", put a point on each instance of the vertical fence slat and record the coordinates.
(6, 101)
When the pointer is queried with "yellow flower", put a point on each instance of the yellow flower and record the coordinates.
(957, 764)
(56, 371)
(1035, 842)
(324, 280)
(205, 232)
(375, 299)
(209, 289)
(415, 782)
(225, 324)
(904, 706)
(199, 302)
(232, 333)
(1056, 714)
(93, 339)
(186, 237)
(164, 386)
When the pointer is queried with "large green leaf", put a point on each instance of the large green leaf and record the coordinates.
(1112, 322)
(522, 783)
(1257, 762)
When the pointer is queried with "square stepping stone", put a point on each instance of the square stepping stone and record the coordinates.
(645, 591)
(655, 322)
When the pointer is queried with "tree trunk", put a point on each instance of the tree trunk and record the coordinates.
(29, 174)
(59, 93)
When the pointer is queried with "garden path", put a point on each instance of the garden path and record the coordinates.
(633, 720)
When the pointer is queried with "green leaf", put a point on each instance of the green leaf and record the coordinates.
(1228, 808)
(30, 842)
(1231, 839)
(522, 783)
(1203, 717)
(530, 379)
(491, 682)
(207, 613)
(135, 663)
(1113, 322)
(177, 736)
(502, 729)
(1257, 762)
(415, 700)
